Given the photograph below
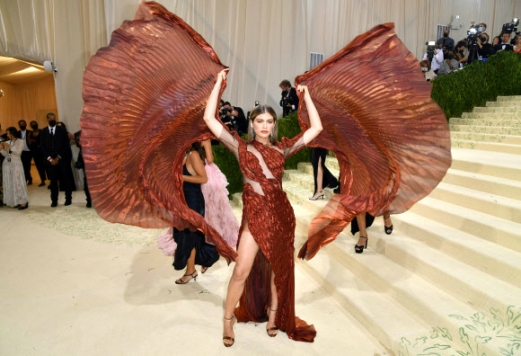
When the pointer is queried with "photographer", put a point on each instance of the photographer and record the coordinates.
(459, 52)
(485, 49)
(233, 118)
(445, 42)
(437, 58)
(289, 100)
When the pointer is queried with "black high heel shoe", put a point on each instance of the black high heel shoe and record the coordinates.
(23, 207)
(388, 229)
(180, 280)
(360, 248)
(270, 331)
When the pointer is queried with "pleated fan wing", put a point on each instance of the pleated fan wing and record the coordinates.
(144, 98)
(390, 138)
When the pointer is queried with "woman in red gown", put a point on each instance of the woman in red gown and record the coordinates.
(263, 278)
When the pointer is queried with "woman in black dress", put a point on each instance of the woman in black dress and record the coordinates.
(192, 247)
(322, 175)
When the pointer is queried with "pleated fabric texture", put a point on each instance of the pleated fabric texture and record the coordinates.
(391, 139)
(144, 97)
(271, 221)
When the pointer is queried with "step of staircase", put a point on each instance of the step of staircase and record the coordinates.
(509, 98)
(472, 136)
(510, 103)
(492, 130)
(486, 146)
(504, 109)
(487, 115)
(485, 183)
(505, 121)
(496, 164)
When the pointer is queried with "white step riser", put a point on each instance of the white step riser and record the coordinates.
(488, 115)
(498, 110)
(509, 98)
(489, 130)
(507, 104)
(470, 136)
(485, 204)
(495, 171)
(487, 232)
(506, 122)
(501, 187)
(490, 264)
(486, 146)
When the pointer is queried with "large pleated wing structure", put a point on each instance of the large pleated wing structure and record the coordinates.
(144, 98)
(391, 139)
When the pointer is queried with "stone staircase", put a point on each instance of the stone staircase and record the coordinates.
(448, 280)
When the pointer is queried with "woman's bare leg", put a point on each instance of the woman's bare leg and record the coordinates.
(360, 218)
(190, 269)
(320, 180)
(247, 251)
(272, 312)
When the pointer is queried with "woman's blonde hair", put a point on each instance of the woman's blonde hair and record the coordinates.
(263, 109)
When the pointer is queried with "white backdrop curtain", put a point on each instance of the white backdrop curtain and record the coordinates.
(262, 41)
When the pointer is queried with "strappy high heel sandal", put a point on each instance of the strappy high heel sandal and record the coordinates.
(180, 280)
(388, 229)
(360, 248)
(317, 196)
(270, 331)
(229, 338)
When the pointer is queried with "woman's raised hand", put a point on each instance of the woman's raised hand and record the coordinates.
(302, 88)
(222, 74)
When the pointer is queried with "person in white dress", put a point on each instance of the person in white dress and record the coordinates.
(13, 178)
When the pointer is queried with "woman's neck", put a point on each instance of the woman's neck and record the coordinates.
(263, 141)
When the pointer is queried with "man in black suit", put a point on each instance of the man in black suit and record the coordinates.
(56, 150)
(26, 153)
(289, 100)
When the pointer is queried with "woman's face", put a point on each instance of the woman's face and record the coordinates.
(263, 125)
(518, 40)
(9, 135)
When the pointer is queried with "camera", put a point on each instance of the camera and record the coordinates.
(473, 34)
(511, 26)
(431, 46)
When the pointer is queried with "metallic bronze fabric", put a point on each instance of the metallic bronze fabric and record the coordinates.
(271, 221)
(391, 140)
(144, 97)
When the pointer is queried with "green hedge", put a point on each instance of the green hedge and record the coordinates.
(478, 83)
(227, 163)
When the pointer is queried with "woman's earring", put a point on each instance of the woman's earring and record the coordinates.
(271, 136)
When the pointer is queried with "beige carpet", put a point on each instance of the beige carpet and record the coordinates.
(73, 284)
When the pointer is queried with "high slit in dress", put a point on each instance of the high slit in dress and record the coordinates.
(271, 221)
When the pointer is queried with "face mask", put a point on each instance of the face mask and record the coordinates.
(34, 127)
(483, 39)
(445, 35)
(23, 127)
(425, 69)
(52, 123)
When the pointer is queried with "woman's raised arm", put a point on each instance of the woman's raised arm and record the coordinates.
(314, 119)
(211, 106)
